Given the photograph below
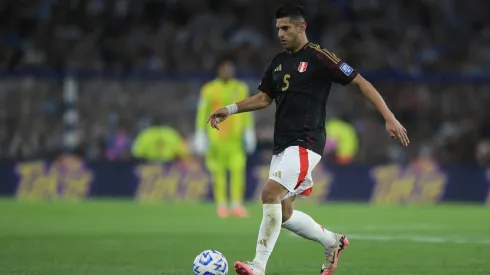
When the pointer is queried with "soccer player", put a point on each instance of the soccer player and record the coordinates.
(225, 150)
(298, 80)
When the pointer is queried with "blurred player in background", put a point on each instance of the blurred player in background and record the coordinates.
(225, 150)
(159, 143)
(342, 141)
(299, 80)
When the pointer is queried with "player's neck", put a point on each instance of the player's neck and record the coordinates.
(301, 45)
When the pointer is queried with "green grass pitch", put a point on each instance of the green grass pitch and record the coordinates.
(125, 237)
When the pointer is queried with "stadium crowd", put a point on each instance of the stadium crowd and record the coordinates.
(446, 119)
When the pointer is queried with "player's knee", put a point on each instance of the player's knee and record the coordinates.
(269, 197)
(287, 208)
(286, 214)
(273, 192)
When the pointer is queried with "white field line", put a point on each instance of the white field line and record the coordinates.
(414, 238)
(419, 239)
(407, 228)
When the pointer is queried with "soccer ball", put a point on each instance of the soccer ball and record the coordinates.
(210, 262)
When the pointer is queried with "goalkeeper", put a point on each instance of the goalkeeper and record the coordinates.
(225, 150)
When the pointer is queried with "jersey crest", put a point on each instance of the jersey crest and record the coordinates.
(302, 67)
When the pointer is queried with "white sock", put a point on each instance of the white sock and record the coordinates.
(304, 226)
(268, 233)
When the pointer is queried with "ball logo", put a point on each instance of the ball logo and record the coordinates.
(302, 66)
(205, 258)
(221, 265)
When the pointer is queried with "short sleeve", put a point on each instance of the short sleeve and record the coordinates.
(266, 85)
(338, 70)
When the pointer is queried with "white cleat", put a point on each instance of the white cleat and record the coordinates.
(332, 254)
(248, 268)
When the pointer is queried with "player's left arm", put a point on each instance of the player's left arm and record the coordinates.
(393, 126)
(344, 74)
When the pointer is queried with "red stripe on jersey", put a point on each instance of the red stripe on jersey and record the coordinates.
(307, 192)
(303, 166)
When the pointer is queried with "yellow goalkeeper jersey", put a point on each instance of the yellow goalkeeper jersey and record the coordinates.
(217, 94)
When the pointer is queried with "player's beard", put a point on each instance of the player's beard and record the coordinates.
(285, 45)
(289, 46)
(293, 45)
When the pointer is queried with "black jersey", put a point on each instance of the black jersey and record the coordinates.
(300, 84)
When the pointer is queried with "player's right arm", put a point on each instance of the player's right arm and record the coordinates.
(256, 102)
(259, 101)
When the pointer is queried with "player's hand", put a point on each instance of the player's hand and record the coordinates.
(218, 117)
(397, 131)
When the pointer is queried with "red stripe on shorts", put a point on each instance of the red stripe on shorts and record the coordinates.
(303, 166)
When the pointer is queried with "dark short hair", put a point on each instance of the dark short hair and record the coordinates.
(291, 10)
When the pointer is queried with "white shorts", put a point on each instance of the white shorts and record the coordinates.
(292, 169)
